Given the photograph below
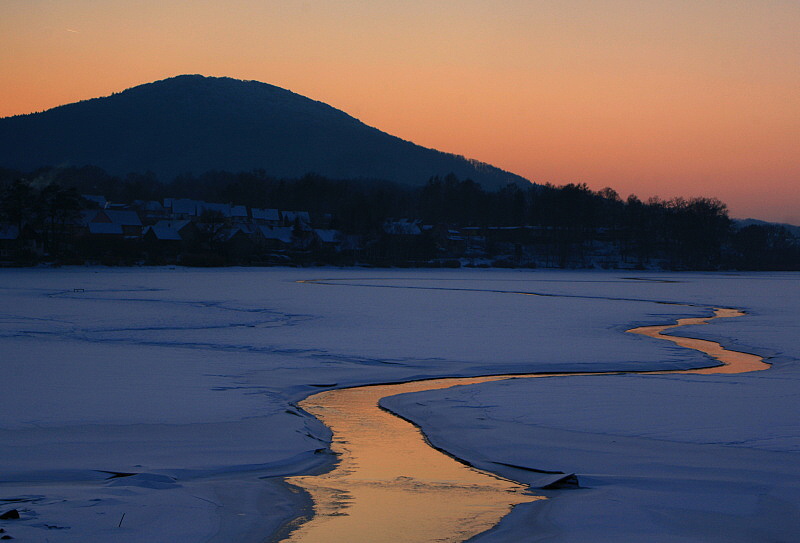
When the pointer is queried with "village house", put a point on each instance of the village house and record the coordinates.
(149, 211)
(239, 213)
(327, 239)
(276, 238)
(402, 227)
(241, 241)
(14, 242)
(300, 219)
(112, 223)
(181, 208)
(161, 239)
(269, 217)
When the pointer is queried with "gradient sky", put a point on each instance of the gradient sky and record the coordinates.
(652, 97)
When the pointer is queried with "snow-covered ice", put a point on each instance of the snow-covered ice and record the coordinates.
(189, 378)
(661, 457)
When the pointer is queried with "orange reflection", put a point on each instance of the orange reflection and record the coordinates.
(732, 361)
(391, 485)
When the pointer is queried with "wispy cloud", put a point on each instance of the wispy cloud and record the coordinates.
(71, 30)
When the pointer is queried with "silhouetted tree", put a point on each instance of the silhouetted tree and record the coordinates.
(59, 209)
(210, 226)
(18, 203)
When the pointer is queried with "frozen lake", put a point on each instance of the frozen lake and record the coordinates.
(189, 379)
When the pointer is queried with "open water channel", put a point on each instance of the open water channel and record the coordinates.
(391, 485)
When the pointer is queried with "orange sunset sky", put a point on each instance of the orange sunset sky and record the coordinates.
(652, 97)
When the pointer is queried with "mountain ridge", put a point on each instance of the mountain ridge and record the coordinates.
(194, 123)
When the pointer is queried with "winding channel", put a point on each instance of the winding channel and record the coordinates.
(390, 485)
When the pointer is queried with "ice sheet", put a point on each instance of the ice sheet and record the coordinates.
(192, 375)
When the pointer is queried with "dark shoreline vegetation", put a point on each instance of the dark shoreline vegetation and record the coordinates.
(449, 222)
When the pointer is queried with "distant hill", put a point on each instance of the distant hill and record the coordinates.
(194, 124)
(791, 228)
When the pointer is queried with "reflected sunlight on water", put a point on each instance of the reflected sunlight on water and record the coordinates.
(733, 361)
(391, 485)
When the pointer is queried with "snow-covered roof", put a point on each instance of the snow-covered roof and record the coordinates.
(328, 236)
(229, 233)
(238, 211)
(280, 233)
(123, 217)
(152, 205)
(402, 226)
(181, 206)
(247, 228)
(163, 232)
(177, 225)
(110, 216)
(265, 214)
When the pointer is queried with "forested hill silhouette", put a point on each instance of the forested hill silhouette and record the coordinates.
(193, 124)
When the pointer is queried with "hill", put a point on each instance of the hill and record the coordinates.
(791, 228)
(192, 123)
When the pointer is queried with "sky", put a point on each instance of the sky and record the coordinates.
(650, 97)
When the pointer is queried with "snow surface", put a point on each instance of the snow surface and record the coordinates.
(661, 457)
(189, 378)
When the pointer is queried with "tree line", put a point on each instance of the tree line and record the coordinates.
(566, 222)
